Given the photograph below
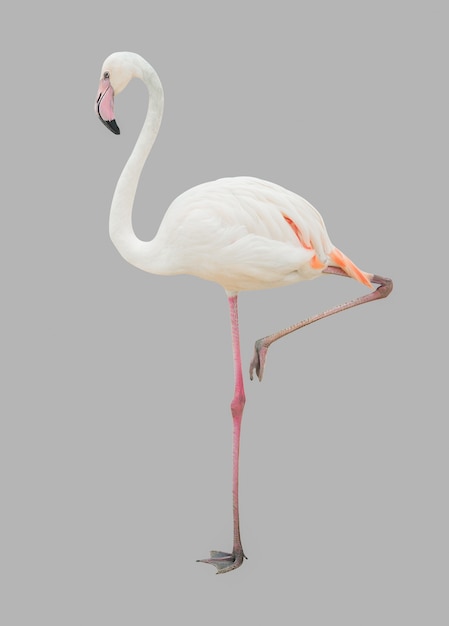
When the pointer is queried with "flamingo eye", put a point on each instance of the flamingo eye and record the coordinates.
(106, 75)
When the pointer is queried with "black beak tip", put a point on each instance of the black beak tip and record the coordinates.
(111, 124)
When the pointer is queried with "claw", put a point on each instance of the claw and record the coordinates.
(224, 561)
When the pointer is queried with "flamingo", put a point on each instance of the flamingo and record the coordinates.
(242, 233)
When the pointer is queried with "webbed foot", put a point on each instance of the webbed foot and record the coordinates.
(224, 561)
(259, 357)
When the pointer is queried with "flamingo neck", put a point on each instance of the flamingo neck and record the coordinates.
(121, 231)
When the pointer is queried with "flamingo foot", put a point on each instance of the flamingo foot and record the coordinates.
(259, 358)
(224, 561)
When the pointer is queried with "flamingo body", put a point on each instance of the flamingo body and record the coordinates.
(234, 231)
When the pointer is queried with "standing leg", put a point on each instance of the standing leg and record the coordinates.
(262, 345)
(223, 561)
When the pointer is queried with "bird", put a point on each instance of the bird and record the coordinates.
(241, 232)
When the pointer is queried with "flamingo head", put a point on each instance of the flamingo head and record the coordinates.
(118, 69)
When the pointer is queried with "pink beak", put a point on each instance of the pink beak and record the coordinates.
(104, 105)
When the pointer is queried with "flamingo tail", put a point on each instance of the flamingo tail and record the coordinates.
(345, 263)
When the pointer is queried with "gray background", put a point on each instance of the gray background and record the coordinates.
(116, 431)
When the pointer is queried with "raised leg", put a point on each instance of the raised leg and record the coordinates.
(225, 561)
(262, 345)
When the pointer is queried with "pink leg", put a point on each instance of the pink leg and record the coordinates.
(223, 561)
(262, 345)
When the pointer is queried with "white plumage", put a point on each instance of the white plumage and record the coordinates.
(233, 231)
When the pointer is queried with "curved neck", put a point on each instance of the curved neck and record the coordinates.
(120, 220)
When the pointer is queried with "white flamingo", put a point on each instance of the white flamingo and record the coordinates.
(243, 233)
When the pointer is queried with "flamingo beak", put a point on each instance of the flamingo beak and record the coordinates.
(104, 105)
